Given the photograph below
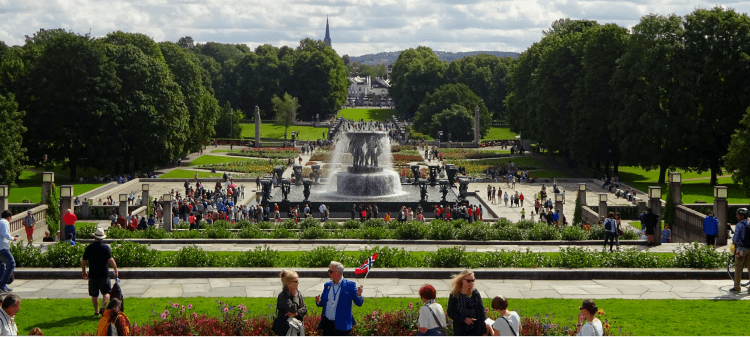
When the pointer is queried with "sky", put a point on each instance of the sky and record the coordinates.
(357, 26)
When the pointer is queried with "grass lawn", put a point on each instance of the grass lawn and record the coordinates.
(500, 133)
(30, 187)
(268, 130)
(208, 159)
(379, 115)
(74, 316)
(536, 167)
(190, 174)
(692, 190)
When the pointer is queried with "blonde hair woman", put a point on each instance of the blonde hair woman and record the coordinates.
(290, 305)
(465, 306)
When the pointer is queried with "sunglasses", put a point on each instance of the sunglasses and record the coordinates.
(331, 271)
(470, 281)
(293, 281)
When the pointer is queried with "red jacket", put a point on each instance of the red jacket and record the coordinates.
(70, 219)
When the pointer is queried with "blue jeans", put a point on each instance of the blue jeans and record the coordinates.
(69, 229)
(6, 267)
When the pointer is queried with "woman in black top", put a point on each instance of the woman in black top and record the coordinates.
(290, 303)
(465, 306)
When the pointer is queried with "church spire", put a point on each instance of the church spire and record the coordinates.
(327, 39)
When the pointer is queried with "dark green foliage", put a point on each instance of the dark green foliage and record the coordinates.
(577, 214)
(309, 223)
(441, 106)
(258, 257)
(390, 257)
(331, 224)
(27, 256)
(543, 232)
(352, 224)
(320, 257)
(411, 230)
(574, 233)
(737, 158)
(12, 153)
(191, 256)
(416, 73)
(85, 231)
(53, 210)
(314, 233)
(669, 212)
(63, 255)
(251, 232)
(131, 254)
(441, 230)
(454, 257)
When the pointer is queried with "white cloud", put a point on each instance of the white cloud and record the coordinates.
(357, 26)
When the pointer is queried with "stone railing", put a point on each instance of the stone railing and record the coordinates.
(588, 215)
(688, 226)
(126, 188)
(192, 181)
(626, 212)
(18, 208)
(140, 211)
(40, 214)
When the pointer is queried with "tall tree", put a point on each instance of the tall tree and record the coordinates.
(444, 98)
(286, 110)
(737, 159)
(415, 73)
(319, 79)
(12, 153)
(228, 125)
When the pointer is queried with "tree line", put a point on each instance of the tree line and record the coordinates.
(124, 103)
(670, 93)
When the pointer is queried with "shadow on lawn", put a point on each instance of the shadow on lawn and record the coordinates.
(71, 321)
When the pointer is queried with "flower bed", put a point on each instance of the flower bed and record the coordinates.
(239, 320)
(267, 152)
(321, 155)
(399, 148)
(404, 159)
(450, 153)
(254, 168)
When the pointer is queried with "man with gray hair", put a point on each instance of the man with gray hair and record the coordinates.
(336, 301)
(11, 306)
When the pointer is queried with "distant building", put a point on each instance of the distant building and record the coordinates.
(388, 71)
(363, 91)
(327, 39)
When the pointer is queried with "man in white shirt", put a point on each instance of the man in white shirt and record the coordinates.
(7, 263)
(322, 210)
(11, 306)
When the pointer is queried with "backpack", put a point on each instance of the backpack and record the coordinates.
(111, 330)
(608, 225)
(746, 238)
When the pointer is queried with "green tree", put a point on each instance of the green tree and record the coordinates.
(456, 120)
(286, 110)
(737, 159)
(476, 72)
(229, 125)
(12, 153)
(444, 98)
(415, 73)
(318, 79)
(53, 211)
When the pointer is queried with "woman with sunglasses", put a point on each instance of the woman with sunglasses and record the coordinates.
(290, 306)
(588, 324)
(465, 306)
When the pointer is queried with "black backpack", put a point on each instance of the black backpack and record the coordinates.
(746, 239)
(608, 224)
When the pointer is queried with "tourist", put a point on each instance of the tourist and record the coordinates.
(374, 211)
(588, 324)
(122, 222)
(28, 223)
(99, 256)
(509, 322)
(336, 301)
(618, 222)
(610, 228)
(523, 214)
(113, 319)
(666, 234)
(387, 217)
(711, 228)
(741, 241)
(409, 214)
(537, 205)
(48, 237)
(431, 315)
(11, 306)
(420, 217)
(512, 200)
(70, 223)
(499, 193)
(506, 199)
(290, 306)
(354, 211)
(465, 306)
(7, 263)
(649, 223)
(142, 225)
(556, 218)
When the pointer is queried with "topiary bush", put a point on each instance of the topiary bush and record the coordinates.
(289, 224)
(696, 255)
(309, 223)
(85, 231)
(374, 223)
(258, 257)
(63, 255)
(131, 254)
(478, 231)
(251, 232)
(313, 233)
(282, 233)
(542, 232)
(574, 233)
(27, 256)
(331, 224)
(374, 233)
(352, 224)
(321, 257)
(453, 257)
(191, 256)
(441, 230)
(412, 230)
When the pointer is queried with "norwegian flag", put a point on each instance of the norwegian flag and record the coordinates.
(365, 267)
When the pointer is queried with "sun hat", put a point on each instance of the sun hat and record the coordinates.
(100, 234)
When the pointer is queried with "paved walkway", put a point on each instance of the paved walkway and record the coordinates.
(270, 287)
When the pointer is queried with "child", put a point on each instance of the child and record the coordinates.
(666, 234)
(388, 217)
(523, 214)
(587, 227)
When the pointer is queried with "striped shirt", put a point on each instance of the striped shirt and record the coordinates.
(7, 325)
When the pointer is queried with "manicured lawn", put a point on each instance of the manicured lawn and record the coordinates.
(375, 114)
(190, 174)
(74, 316)
(268, 130)
(30, 187)
(208, 159)
(500, 133)
(536, 167)
(692, 190)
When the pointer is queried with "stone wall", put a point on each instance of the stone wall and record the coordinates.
(688, 226)
(588, 215)
(125, 188)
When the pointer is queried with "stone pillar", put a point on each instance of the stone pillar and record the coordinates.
(257, 128)
(4, 198)
(48, 179)
(642, 207)
(559, 203)
(582, 194)
(86, 209)
(66, 203)
(123, 209)
(602, 205)
(654, 202)
(145, 196)
(167, 212)
(720, 211)
(675, 180)
(477, 135)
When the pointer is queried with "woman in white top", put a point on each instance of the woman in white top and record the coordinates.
(508, 324)
(429, 324)
(588, 324)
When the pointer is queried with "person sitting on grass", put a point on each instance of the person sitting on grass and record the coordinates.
(588, 324)
(509, 322)
(113, 318)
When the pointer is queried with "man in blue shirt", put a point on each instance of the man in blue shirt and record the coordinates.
(336, 301)
(7, 263)
(711, 228)
(741, 248)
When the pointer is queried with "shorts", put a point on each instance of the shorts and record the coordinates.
(99, 285)
(29, 230)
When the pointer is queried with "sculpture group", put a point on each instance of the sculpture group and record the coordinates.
(362, 157)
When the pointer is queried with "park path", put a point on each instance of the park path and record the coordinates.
(392, 287)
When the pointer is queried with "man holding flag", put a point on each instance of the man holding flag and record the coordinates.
(336, 301)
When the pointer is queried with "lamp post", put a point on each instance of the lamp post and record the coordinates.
(48, 179)
(167, 220)
(720, 211)
(602, 205)
(3, 197)
(123, 205)
(66, 203)
(145, 196)
(582, 193)
(559, 203)
(675, 180)
(654, 202)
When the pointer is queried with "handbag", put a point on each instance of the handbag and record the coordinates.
(510, 326)
(442, 328)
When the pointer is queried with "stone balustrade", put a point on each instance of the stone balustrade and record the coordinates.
(688, 226)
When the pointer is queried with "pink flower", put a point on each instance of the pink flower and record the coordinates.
(411, 305)
(175, 305)
(226, 310)
(190, 306)
(163, 316)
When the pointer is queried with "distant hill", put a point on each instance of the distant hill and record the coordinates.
(391, 56)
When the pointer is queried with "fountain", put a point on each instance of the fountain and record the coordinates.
(367, 176)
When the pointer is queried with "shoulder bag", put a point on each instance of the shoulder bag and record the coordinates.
(510, 326)
(442, 328)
